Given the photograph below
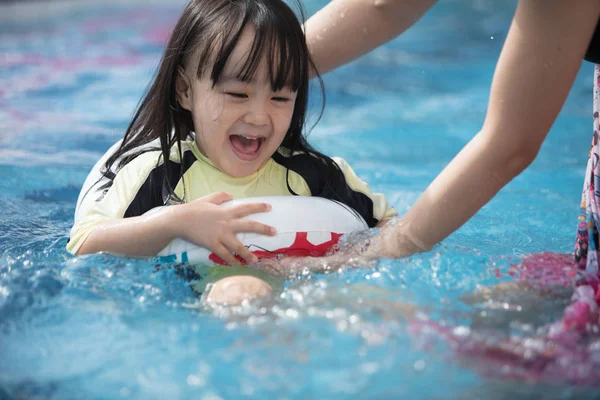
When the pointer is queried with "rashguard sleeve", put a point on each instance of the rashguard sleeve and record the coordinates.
(114, 203)
(381, 209)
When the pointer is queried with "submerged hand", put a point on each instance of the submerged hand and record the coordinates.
(299, 265)
(205, 223)
(390, 242)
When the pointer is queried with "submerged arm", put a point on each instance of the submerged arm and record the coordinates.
(344, 30)
(536, 69)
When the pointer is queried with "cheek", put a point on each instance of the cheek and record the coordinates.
(224, 113)
(214, 106)
(284, 119)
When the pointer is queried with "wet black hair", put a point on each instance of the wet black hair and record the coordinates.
(207, 33)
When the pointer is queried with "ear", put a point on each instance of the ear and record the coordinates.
(183, 89)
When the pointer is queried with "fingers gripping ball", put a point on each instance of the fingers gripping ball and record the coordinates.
(233, 290)
(304, 226)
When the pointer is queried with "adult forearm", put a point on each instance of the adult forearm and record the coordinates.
(346, 29)
(469, 182)
(535, 72)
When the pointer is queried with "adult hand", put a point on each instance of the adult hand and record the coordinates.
(392, 241)
(289, 266)
(208, 224)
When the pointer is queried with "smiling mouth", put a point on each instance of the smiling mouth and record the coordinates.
(245, 147)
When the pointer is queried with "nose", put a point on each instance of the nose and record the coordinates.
(257, 113)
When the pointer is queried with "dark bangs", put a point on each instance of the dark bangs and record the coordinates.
(279, 41)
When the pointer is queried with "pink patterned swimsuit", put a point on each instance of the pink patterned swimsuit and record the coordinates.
(586, 244)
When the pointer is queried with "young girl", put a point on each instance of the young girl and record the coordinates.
(228, 106)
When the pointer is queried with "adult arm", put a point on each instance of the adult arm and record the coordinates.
(344, 30)
(536, 69)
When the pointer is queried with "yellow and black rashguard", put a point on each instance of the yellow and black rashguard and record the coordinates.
(139, 187)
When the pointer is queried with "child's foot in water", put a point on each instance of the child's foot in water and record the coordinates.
(234, 290)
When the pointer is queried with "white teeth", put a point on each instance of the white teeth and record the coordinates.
(249, 137)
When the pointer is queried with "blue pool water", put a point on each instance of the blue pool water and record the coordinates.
(104, 327)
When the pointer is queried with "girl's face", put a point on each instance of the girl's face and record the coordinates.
(238, 125)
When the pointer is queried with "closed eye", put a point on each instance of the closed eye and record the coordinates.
(237, 95)
(280, 99)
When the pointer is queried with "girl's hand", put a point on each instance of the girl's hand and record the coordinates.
(214, 227)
